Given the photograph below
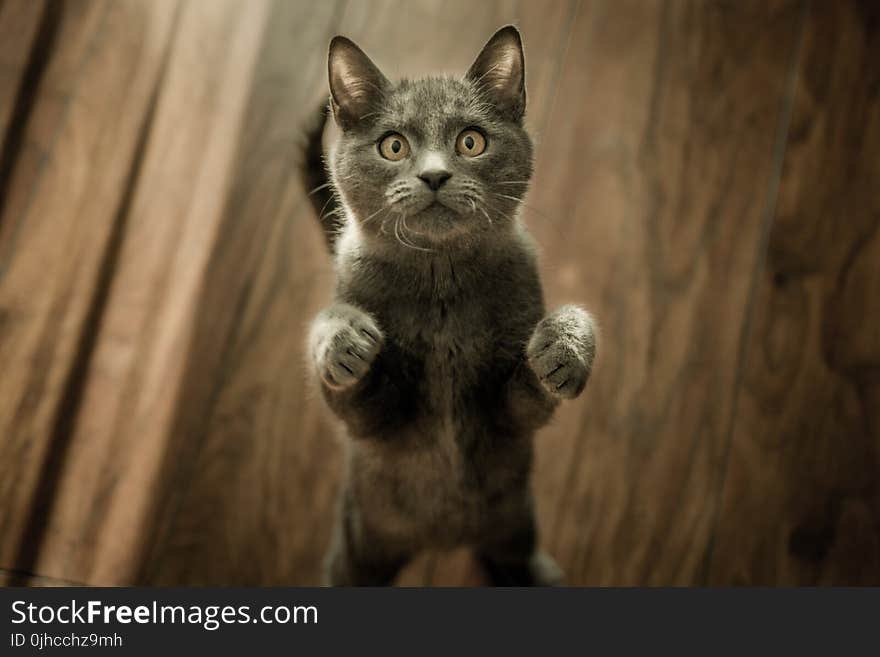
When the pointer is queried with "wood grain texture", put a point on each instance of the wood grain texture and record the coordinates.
(122, 429)
(241, 503)
(28, 31)
(58, 222)
(651, 199)
(19, 24)
(802, 492)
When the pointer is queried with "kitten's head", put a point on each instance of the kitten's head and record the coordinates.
(428, 163)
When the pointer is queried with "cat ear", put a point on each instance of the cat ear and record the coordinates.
(500, 71)
(356, 85)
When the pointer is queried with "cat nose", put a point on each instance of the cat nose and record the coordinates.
(435, 178)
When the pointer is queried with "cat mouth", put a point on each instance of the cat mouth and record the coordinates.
(436, 205)
(437, 223)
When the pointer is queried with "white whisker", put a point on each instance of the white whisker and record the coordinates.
(320, 187)
(405, 243)
(507, 196)
(365, 221)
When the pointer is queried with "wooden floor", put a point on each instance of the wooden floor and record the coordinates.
(707, 183)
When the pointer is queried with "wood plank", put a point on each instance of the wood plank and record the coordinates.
(802, 494)
(57, 224)
(257, 504)
(651, 195)
(109, 481)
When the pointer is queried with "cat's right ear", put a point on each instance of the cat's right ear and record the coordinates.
(356, 85)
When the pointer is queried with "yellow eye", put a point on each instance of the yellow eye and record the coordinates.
(394, 147)
(470, 143)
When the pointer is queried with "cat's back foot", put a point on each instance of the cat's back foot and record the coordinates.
(539, 570)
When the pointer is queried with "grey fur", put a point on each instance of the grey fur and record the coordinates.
(436, 352)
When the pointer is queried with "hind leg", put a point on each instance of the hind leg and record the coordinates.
(360, 557)
(512, 557)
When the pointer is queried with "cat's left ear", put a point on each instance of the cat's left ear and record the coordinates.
(356, 85)
(500, 70)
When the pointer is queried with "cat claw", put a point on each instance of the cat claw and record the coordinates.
(561, 351)
(345, 344)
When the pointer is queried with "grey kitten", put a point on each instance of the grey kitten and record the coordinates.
(436, 352)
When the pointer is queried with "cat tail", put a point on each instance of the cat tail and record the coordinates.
(316, 180)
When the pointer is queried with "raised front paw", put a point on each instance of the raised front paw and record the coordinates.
(344, 343)
(561, 351)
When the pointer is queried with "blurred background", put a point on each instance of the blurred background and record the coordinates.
(707, 184)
